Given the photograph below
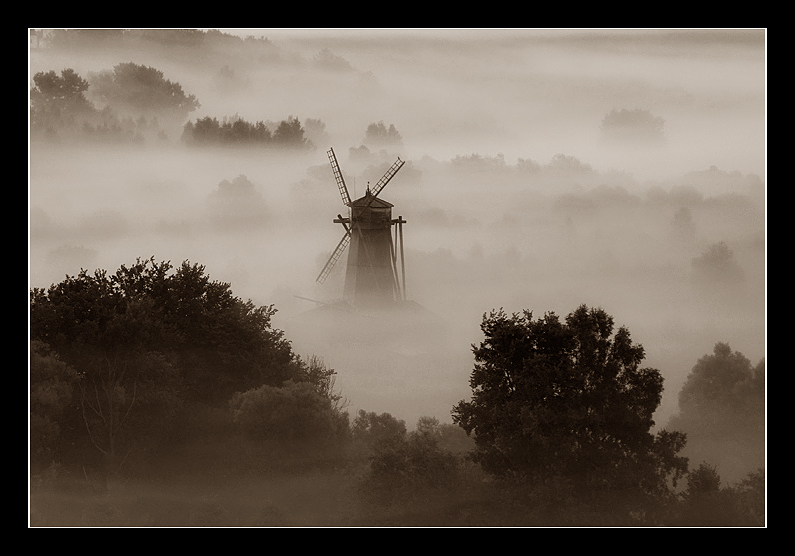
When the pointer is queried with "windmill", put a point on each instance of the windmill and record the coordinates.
(371, 277)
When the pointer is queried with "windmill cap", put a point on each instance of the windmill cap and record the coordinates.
(368, 199)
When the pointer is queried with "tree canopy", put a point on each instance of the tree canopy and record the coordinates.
(722, 411)
(61, 107)
(567, 399)
(140, 89)
(219, 343)
(143, 342)
(633, 125)
(56, 100)
(236, 132)
(378, 135)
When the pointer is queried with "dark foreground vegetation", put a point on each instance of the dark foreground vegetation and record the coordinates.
(158, 398)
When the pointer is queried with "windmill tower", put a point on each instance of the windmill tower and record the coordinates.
(371, 278)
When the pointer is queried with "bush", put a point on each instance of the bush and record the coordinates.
(294, 413)
(409, 465)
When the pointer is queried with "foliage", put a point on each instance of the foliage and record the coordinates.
(405, 464)
(568, 399)
(374, 430)
(219, 343)
(567, 163)
(316, 133)
(58, 100)
(378, 135)
(60, 109)
(235, 131)
(447, 436)
(327, 60)
(706, 504)
(294, 413)
(139, 89)
(315, 372)
(52, 385)
(750, 499)
(65, 92)
(237, 204)
(129, 403)
(145, 340)
(702, 481)
(716, 266)
(723, 381)
(76, 38)
(478, 163)
(232, 132)
(722, 411)
(637, 124)
(290, 134)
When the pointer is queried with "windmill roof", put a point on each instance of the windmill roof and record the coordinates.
(374, 202)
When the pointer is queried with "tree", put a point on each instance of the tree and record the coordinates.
(378, 135)
(62, 91)
(406, 464)
(716, 266)
(218, 343)
(316, 131)
(52, 386)
(327, 60)
(289, 133)
(563, 163)
(139, 89)
(722, 411)
(315, 372)
(633, 125)
(749, 496)
(237, 205)
(568, 400)
(374, 430)
(148, 339)
(295, 413)
(706, 504)
(58, 100)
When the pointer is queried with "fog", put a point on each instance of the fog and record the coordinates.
(496, 217)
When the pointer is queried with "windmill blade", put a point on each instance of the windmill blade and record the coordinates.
(386, 177)
(332, 158)
(338, 251)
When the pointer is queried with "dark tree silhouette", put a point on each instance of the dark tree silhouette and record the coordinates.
(58, 101)
(568, 400)
(290, 134)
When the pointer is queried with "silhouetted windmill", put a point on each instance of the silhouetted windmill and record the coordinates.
(371, 278)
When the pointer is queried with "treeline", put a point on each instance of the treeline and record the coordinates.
(115, 359)
(238, 132)
(156, 373)
(139, 105)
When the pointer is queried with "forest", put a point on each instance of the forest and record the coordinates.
(586, 340)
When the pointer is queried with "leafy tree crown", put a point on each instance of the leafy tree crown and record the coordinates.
(566, 398)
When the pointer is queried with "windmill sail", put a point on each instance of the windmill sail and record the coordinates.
(332, 158)
(386, 177)
(340, 249)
